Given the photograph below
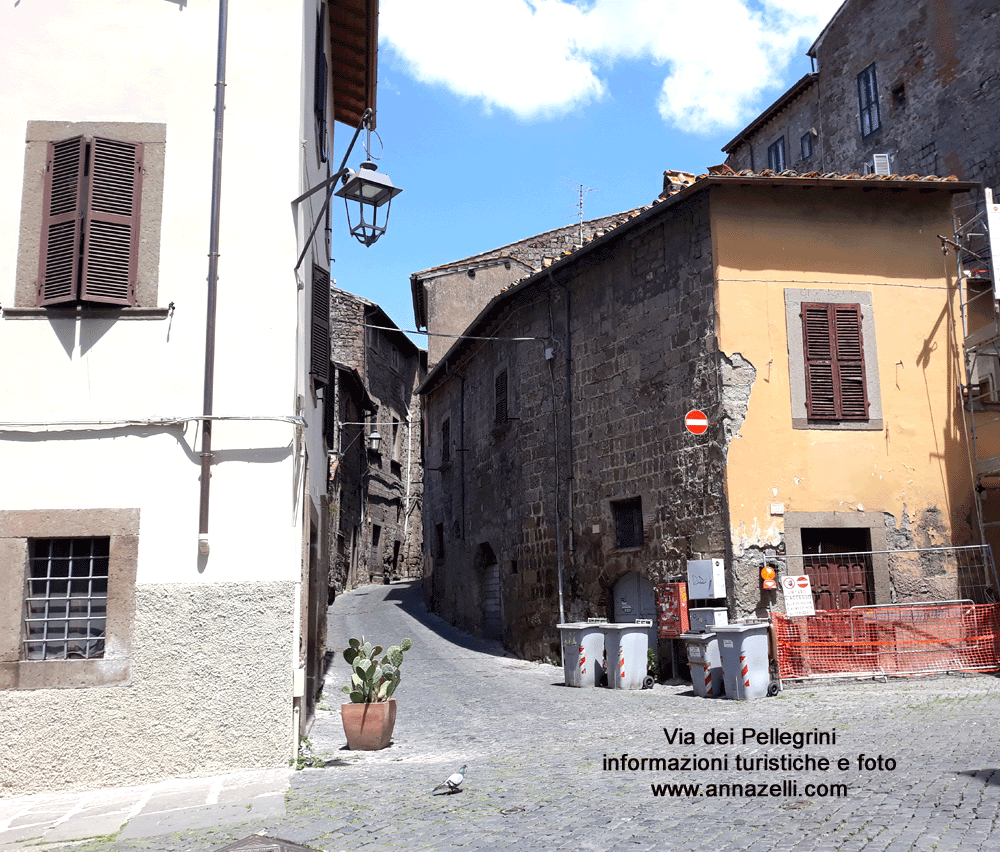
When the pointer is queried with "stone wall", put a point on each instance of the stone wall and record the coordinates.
(938, 92)
(630, 335)
(383, 498)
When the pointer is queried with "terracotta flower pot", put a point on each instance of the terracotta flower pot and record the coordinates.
(368, 727)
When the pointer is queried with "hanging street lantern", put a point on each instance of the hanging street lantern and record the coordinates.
(369, 190)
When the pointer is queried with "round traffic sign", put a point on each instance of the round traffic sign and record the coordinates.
(696, 422)
(802, 581)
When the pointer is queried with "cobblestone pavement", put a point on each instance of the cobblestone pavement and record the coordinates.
(920, 760)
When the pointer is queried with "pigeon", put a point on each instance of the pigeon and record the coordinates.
(453, 782)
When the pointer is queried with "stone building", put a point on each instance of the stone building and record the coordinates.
(446, 298)
(558, 467)
(914, 80)
(375, 494)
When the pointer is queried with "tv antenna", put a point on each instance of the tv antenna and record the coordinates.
(581, 191)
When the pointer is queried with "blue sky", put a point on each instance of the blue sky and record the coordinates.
(491, 114)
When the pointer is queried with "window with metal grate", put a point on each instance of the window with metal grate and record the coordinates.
(628, 522)
(66, 603)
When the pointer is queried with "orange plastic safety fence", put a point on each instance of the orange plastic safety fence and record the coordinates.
(914, 639)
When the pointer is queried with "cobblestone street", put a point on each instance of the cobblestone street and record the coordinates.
(536, 751)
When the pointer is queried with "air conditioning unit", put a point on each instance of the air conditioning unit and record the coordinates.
(880, 165)
(985, 376)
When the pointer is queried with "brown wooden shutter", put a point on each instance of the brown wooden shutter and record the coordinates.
(62, 210)
(319, 358)
(111, 236)
(836, 385)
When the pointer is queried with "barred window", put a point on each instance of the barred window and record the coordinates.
(66, 601)
(628, 522)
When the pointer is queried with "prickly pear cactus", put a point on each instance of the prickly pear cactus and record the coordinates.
(373, 679)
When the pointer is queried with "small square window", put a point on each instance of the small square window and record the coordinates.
(66, 600)
(628, 522)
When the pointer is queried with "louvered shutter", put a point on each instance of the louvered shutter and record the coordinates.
(111, 238)
(319, 358)
(62, 208)
(501, 399)
(834, 362)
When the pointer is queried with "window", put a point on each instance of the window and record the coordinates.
(776, 156)
(832, 360)
(320, 98)
(500, 398)
(439, 541)
(90, 222)
(835, 363)
(69, 620)
(66, 601)
(807, 146)
(868, 101)
(628, 522)
(90, 216)
(446, 441)
(319, 335)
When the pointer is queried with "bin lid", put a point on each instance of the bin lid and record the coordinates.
(739, 628)
(700, 638)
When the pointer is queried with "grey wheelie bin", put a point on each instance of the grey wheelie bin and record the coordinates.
(743, 648)
(625, 647)
(583, 652)
(705, 663)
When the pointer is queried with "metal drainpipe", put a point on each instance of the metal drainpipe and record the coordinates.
(461, 450)
(555, 452)
(213, 277)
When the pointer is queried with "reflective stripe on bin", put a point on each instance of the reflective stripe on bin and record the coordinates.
(583, 660)
(621, 662)
(708, 679)
(745, 669)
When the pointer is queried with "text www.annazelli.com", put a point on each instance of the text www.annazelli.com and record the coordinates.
(749, 790)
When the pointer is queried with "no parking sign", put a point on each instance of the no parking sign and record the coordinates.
(798, 596)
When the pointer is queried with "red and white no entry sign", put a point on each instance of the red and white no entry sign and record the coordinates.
(802, 581)
(696, 422)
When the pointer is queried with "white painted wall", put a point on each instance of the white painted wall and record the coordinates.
(156, 61)
(196, 619)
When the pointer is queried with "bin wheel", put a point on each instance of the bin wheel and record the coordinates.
(773, 689)
(648, 681)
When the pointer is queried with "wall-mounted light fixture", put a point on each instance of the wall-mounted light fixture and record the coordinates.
(366, 187)
(370, 190)
(374, 441)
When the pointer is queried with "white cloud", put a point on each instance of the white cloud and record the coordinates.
(537, 58)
